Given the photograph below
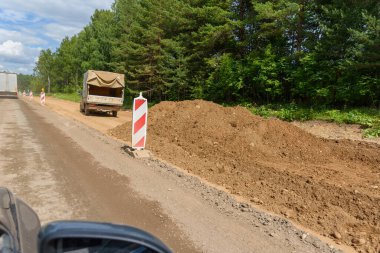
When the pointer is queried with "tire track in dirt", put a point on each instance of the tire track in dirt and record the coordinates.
(48, 170)
(24, 168)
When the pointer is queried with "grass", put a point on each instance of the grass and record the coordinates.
(74, 97)
(128, 104)
(367, 117)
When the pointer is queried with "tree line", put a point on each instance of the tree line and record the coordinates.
(303, 51)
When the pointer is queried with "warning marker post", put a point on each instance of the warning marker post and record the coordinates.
(139, 122)
(42, 98)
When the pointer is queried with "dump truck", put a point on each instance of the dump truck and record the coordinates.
(102, 91)
(8, 84)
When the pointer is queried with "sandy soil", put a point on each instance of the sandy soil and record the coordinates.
(24, 167)
(66, 170)
(329, 186)
(302, 159)
(61, 180)
(99, 121)
(335, 131)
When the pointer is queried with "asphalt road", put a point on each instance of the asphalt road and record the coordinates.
(66, 170)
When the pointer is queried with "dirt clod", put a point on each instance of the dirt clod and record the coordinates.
(257, 201)
(359, 241)
(337, 235)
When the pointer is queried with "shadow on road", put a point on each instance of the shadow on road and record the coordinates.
(7, 97)
(99, 114)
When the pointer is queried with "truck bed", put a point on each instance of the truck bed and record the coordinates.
(103, 100)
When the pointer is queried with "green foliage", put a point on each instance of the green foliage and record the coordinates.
(288, 112)
(366, 117)
(264, 74)
(224, 84)
(74, 97)
(372, 132)
(355, 116)
(24, 82)
(323, 53)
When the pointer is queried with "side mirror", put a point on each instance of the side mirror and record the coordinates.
(19, 224)
(5, 242)
(91, 237)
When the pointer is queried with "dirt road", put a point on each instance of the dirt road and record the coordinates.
(100, 121)
(61, 180)
(66, 170)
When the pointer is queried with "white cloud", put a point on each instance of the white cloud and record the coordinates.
(12, 16)
(11, 48)
(58, 32)
(14, 55)
(74, 12)
(26, 36)
(26, 27)
(22, 70)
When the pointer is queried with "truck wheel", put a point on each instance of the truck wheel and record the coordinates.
(114, 113)
(86, 110)
(81, 107)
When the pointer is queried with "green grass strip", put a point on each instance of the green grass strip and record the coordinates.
(369, 118)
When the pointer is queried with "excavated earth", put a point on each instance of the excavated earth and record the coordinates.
(329, 186)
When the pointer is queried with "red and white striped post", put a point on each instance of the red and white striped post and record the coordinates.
(139, 122)
(42, 98)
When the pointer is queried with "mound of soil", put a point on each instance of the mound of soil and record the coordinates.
(329, 186)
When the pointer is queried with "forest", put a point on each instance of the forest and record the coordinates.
(309, 52)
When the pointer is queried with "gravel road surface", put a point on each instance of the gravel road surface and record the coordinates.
(66, 170)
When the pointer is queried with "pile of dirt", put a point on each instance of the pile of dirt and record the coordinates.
(329, 186)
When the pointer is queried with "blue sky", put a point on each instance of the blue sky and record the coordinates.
(27, 26)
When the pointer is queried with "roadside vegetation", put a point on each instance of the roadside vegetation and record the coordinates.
(74, 97)
(265, 52)
(280, 54)
(368, 118)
